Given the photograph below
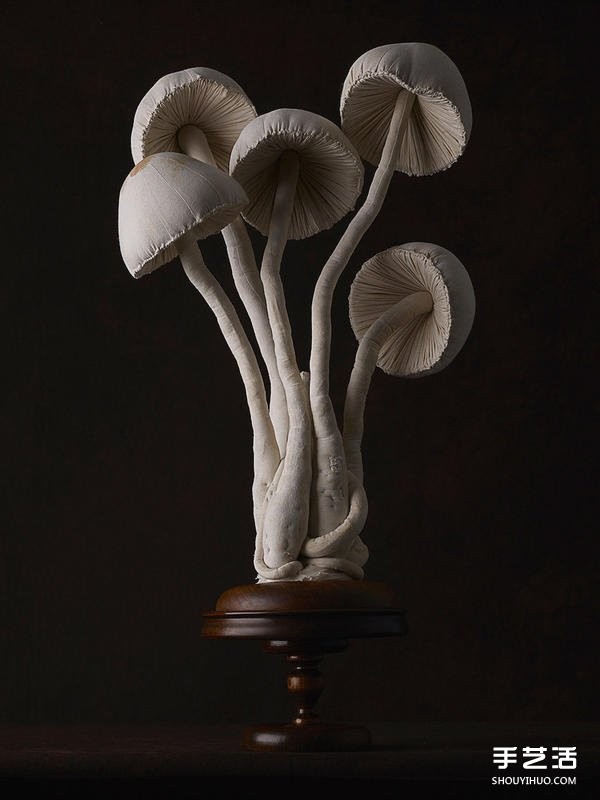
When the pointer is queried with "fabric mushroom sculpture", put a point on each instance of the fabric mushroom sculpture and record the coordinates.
(204, 163)
(302, 175)
(201, 112)
(411, 308)
(167, 202)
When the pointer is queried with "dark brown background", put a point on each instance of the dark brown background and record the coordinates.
(127, 442)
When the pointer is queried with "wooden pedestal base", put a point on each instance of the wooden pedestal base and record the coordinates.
(304, 621)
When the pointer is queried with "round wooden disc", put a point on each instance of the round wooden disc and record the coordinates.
(300, 611)
(308, 596)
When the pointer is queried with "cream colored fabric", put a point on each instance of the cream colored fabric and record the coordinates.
(166, 196)
(440, 120)
(199, 96)
(425, 344)
(330, 178)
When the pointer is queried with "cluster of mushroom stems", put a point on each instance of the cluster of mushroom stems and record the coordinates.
(206, 163)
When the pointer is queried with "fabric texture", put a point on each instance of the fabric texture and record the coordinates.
(428, 343)
(330, 177)
(166, 196)
(199, 96)
(440, 121)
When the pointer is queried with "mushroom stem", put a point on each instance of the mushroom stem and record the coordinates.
(365, 362)
(250, 289)
(246, 278)
(265, 447)
(193, 143)
(286, 512)
(359, 224)
(330, 491)
(337, 541)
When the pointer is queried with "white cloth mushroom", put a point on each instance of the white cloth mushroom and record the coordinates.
(440, 118)
(199, 96)
(406, 107)
(428, 343)
(166, 196)
(301, 175)
(201, 113)
(167, 202)
(330, 177)
(329, 181)
(388, 92)
(411, 308)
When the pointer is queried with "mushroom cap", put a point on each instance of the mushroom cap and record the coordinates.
(165, 197)
(198, 96)
(440, 120)
(427, 343)
(330, 177)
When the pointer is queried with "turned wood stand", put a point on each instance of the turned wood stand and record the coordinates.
(305, 620)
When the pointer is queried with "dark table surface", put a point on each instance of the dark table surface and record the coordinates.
(454, 760)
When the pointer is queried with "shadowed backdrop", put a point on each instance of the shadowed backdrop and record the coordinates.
(127, 441)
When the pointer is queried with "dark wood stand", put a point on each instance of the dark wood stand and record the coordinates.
(305, 620)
